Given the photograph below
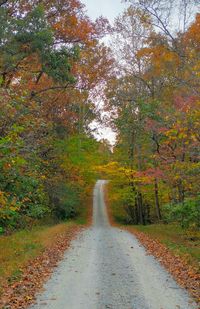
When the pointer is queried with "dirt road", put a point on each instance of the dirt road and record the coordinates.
(108, 268)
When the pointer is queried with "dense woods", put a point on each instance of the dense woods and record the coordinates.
(54, 71)
(51, 63)
(65, 80)
(154, 107)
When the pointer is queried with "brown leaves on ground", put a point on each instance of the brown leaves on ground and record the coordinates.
(21, 293)
(184, 274)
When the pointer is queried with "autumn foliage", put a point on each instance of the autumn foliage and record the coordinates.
(155, 111)
(48, 52)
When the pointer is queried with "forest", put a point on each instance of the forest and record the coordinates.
(64, 79)
(48, 52)
(55, 68)
(153, 102)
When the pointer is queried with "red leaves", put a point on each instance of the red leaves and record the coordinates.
(185, 104)
(20, 294)
(151, 173)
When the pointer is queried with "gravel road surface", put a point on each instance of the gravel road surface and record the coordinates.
(108, 268)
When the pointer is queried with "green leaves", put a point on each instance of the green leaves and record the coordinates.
(187, 214)
(57, 65)
(1, 230)
(33, 34)
(47, 153)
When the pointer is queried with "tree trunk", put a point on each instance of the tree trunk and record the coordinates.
(181, 192)
(157, 199)
(140, 208)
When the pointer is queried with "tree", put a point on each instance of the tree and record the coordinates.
(48, 50)
(153, 101)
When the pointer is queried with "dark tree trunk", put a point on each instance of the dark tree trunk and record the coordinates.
(157, 199)
(181, 192)
(140, 208)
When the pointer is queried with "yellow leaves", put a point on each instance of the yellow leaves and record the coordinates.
(193, 137)
(178, 133)
(110, 167)
(13, 208)
(7, 205)
(114, 171)
(171, 133)
(182, 135)
(176, 177)
(3, 199)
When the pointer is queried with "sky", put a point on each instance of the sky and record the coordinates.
(109, 9)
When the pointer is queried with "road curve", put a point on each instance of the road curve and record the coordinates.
(108, 268)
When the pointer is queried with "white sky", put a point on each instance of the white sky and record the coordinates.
(109, 9)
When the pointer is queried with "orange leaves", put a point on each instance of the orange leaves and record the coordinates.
(7, 166)
(71, 25)
(94, 67)
(191, 41)
(192, 36)
(70, 29)
(162, 59)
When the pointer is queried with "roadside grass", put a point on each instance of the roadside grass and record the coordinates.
(181, 242)
(19, 248)
(184, 243)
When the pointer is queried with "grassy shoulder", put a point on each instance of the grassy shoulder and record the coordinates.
(20, 248)
(184, 243)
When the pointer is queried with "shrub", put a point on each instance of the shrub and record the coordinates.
(65, 199)
(187, 213)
